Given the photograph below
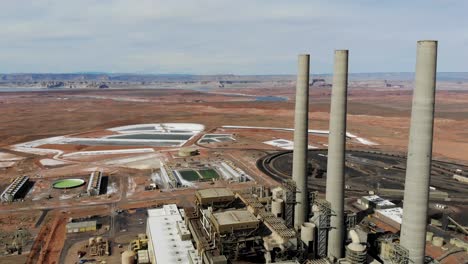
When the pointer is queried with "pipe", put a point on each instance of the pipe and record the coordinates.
(336, 155)
(354, 237)
(301, 126)
(418, 168)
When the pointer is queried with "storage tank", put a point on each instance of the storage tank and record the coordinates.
(91, 241)
(356, 253)
(438, 241)
(128, 257)
(277, 207)
(429, 236)
(307, 233)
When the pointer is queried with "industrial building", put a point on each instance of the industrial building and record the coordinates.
(165, 243)
(333, 225)
(94, 184)
(188, 152)
(98, 246)
(391, 216)
(77, 227)
(232, 220)
(13, 190)
(289, 223)
(375, 202)
(244, 225)
(214, 196)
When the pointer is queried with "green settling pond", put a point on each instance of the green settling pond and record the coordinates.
(198, 175)
(189, 175)
(68, 183)
(209, 174)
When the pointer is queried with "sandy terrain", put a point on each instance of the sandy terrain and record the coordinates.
(381, 115)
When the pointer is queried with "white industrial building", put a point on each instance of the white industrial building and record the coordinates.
(375, 201)
(391, 216)
(169, 240)
(11, 192)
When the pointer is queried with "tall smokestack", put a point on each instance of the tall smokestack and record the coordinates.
(418, 166)
(336, 154)
(301, 127)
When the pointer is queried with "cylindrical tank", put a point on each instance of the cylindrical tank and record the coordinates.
(128, 257)
(307, 232)
(456, 242)
(277, 207)
(438, 241)
(91, 240)
(429, 236)
(356, 253)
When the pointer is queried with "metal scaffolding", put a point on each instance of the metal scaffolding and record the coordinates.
(399, 254)
(323, 226)
(289, 203)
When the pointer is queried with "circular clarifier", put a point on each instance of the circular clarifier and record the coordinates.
(68, 183)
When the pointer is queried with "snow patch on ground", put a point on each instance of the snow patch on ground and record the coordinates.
(66, 196)
(52, 162)
(9, 157)
(7, 164)
(366, 142)
(156, 178)
(163, 127)
(311, 131)
(284, 144)
(131, 186)
(112, 188)
(141, 162)
(109, 152)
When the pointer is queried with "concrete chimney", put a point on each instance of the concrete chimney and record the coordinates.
(418, 166)
(301, 127)
(336, 155)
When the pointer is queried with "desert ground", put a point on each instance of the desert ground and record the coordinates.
(378, 117)
(381, 115)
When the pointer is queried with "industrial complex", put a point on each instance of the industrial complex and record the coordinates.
(189, 193)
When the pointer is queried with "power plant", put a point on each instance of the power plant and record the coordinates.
(220, 194)
(294, 223)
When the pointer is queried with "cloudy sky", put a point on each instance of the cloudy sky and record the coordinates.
(217, 36)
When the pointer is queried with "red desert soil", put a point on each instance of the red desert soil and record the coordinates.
(381, 115)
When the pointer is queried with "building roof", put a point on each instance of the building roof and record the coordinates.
(379, 201)
(81, 224)
(214, 193)
(167, 243)
(395, 214)
(234, 217)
